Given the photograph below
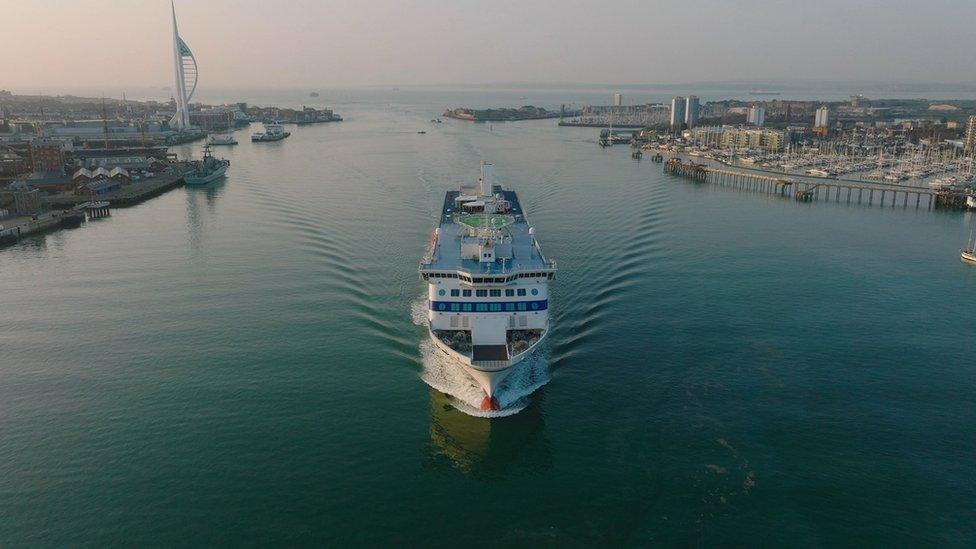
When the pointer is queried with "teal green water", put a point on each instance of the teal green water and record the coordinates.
(238, 365)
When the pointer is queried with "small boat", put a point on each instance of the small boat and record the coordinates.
(273, 131)
(313, 94)
(226, 139)
(969, 254)
(208, 169)
(422, 132)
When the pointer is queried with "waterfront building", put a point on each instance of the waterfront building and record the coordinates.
(12, 165)
(756, 116)
(822, 118)
(617, 99)
(969, 141)
(48, 182)
(733, 137)
(709, 137)
(98, 187)
(218, 119)
(47, 155)
(691, 111)
(678, 110)
(186, 78)
(624, 116)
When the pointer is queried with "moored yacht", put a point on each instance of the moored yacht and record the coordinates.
(968, 254)
(487, 283)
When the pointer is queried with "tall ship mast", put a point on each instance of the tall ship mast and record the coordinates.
(186, 78)
(487, 283)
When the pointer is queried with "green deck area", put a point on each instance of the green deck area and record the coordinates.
(497, 221)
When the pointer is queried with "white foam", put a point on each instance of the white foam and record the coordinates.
(418, 311)
(444, 374)
(447, 376)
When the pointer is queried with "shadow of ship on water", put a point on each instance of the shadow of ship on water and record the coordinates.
(482, 447)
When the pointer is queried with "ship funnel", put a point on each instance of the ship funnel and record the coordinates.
(486, 178)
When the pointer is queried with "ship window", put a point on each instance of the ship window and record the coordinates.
(441, 292)
(521, 306)
(455, 307)
(535, 291)
(441, 306)
(495, 293)
(466, 293)
(481, 293)
(455, 293)
(509, 293)
(521, 291)
(495, 307)
(481, 307)
(509, 306)
(535, 305)
(466, 307)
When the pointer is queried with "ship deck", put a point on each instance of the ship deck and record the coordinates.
(447, 252)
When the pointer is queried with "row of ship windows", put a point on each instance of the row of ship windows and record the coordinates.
(489, 280)
(489, 307)
(487, 293)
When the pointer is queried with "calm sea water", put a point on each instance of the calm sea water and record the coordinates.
(240, 364)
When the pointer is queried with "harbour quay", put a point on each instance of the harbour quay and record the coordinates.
(28, 213)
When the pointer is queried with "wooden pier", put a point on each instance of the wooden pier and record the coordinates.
(827, 190)
(94, 210)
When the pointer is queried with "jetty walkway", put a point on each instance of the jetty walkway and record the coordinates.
(826, 190)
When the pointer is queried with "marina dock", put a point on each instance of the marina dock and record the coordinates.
(807, 190)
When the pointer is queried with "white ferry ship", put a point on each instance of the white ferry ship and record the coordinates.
(273, 131)
(487, 283)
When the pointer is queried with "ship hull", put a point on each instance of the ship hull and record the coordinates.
(488, 377)
(193, 180)
(272, 138)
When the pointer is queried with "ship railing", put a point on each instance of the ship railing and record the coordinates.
(426, 262)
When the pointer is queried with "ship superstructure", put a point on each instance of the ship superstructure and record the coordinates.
(487, 283)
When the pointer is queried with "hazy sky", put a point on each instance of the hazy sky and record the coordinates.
(298, 43)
